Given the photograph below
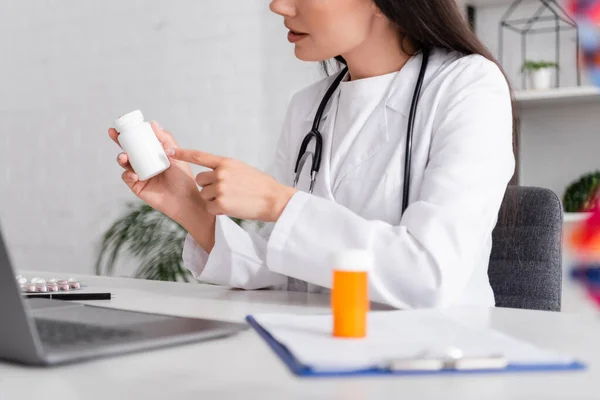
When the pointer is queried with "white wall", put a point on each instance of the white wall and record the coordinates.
(558, 143)
(218, 74)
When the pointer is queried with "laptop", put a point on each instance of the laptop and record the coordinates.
(45, 332)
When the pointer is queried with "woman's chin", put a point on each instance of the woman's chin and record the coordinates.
(305, 55)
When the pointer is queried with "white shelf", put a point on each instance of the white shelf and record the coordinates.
(575, 217)
(558, 96)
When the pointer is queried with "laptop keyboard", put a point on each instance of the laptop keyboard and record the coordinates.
(57, 333)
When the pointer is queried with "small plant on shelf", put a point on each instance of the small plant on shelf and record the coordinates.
(537, 65)
(540, 73)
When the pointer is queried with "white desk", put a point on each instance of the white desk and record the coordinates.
(244, 367)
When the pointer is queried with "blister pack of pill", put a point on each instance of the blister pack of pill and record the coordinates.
(52, 285)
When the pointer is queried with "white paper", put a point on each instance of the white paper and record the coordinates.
(395, 334)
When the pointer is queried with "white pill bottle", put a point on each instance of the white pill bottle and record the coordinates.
(137, 138)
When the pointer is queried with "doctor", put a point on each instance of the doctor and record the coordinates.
(428, 226)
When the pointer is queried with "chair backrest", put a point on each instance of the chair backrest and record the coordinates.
(525, 268)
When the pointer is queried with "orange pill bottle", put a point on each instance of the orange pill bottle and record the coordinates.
(350, 293)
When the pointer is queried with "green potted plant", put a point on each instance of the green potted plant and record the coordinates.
(149, 237)
(540, 73)
(583, 194)
(578, 200)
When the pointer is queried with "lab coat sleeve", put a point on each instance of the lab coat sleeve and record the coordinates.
(238, 258)
(428, 259)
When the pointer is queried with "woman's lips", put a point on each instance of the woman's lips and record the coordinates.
(293, 37)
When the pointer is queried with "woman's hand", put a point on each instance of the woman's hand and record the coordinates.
(174, 192)
(236, 189)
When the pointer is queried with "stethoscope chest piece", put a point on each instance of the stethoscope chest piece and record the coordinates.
(315, 156)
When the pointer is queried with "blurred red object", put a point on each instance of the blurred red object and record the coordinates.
(585, 8)
(585, 237)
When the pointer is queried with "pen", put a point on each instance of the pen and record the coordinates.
(70, 296)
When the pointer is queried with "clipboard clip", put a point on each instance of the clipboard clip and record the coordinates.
(453, 359)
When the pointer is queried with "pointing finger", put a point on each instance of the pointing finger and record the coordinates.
(196, 157)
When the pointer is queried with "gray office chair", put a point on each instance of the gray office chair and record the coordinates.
(525, 268)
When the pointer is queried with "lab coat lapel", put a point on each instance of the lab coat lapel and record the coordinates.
(323, 186)
(373, 137)
(402, 91)
(317, 102)
(327, 131)
(375, 134)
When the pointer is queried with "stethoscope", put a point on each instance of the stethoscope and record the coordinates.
(316, 134)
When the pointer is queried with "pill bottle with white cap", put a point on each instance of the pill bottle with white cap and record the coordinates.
(137, 138)
(350, 293)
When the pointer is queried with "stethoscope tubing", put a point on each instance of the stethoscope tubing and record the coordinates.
(315, 134)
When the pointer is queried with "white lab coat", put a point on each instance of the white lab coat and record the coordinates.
(437, 254)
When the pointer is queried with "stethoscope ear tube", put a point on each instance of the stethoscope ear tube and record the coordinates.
(318, 150)
(410, 129)
(326, 98)
(316, 163)
(300, 167)
(316, 158)
(314, 133)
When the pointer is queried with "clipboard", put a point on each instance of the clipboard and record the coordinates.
(401, 369)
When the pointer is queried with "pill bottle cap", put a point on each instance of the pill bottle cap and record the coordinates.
(128, 120)
(353, 260)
